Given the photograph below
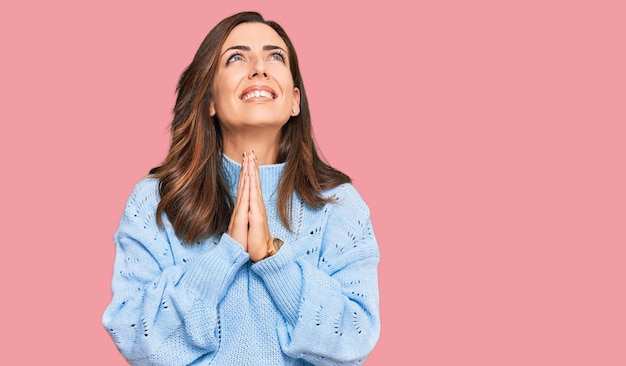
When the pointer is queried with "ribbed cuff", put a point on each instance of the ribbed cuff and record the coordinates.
(211, 273)
(283, 278)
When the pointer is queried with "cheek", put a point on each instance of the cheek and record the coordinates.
(286, 84)
(219, 96)
(221, 83)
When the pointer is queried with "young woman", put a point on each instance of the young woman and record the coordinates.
(243, 247)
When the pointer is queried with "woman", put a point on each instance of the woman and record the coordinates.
(243, 247)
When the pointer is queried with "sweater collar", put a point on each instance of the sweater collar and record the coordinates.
(270, 177)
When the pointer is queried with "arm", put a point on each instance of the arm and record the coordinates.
(164, 313)
(331, 307)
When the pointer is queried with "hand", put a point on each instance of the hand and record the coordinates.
(259, 231)
(238, 226)
(248, 223)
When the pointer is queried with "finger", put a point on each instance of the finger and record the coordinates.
(240, 184)
(259, 195)
(241, 172)
(256, 194)
(238, 226)
(241, 179)
(258, 233)
(259, 187)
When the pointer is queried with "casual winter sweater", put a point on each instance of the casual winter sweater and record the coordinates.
(314, 302)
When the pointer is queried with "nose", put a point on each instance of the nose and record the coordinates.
(258, 70)
(261, 74)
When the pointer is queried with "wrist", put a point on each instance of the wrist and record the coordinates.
(273, 246)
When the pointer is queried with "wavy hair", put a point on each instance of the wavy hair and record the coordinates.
(192, 182)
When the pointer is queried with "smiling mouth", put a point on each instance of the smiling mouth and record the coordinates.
(258, 94)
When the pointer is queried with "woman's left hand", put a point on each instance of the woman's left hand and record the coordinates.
(258, 231)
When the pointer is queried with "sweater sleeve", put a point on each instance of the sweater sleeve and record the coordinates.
(161, 312)
(330, 308)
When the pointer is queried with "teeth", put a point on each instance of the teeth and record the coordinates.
(258, 94)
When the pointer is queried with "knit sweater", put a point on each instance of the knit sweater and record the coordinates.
(314, 302)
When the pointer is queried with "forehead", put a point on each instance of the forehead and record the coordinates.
(253, 34)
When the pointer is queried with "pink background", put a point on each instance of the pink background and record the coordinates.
(488, 140)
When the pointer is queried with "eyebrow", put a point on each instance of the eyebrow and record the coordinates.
(247, 48)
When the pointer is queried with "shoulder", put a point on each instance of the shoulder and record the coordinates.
(146, 185)
(140, 209)
(347, 198)
(348, 218)
(145, 195)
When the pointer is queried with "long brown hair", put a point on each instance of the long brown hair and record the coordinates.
(192, 183)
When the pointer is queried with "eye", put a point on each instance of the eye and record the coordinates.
(278, 56)
(234, 57)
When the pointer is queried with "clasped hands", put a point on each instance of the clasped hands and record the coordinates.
(248, 223)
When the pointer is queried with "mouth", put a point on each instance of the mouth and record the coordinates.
(258, 93)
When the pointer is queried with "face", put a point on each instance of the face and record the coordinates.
(253, 84)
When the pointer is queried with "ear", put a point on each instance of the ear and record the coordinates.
(212, 108)
(295, 108)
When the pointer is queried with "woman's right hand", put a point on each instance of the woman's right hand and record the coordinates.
(238, 226)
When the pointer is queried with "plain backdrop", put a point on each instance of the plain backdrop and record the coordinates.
(487, 137)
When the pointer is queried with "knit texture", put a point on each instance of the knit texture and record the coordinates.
(315, 302)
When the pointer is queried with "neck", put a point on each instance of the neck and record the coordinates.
(269, 175)
(263, 143)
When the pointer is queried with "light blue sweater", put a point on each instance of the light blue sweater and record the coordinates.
(315, 302)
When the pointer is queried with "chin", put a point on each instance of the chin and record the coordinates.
(267, 121)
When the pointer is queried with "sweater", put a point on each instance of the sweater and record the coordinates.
(314, 302)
